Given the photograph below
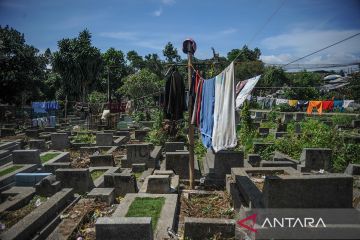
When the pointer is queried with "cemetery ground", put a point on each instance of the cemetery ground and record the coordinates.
(131, 180)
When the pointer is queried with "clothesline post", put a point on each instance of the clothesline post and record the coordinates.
(188, 47)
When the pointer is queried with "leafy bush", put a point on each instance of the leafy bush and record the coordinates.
(340, 119)
(84, 137)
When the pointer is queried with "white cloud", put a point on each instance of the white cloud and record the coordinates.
(168, 2)
(120, 35)
(299, 43)
(158, 12)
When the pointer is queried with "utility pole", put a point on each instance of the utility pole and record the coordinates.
(189, 47)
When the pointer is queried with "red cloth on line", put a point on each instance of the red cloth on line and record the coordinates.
(327, 105)
(199, 96)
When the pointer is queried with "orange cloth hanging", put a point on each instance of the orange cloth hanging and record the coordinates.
(314, 104)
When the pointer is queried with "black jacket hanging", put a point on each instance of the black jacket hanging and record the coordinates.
(175, 103)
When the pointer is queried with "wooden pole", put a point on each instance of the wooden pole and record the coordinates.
(191, 127)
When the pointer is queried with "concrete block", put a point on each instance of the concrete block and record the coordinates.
(59, 141)
(106, 195)
(280, 134)
(122, 182)
(48, 186)
(174, 146)
(77, 178)
(4, 132)
(102, 160)
(299, 117)
(158, 184)
(104, 139)
(138, 153)
(254, 160)
(355, 123)
(37, 144)
(353, 169)
(29, 179)
(287, 117)
(179, 163)
(114, 228)
(138, 167)
(141, 135)
(204, 228)
(317, 158)
(26, 156)
(32, 133)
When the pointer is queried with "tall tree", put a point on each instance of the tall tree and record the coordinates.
(22, 68)
(79, 64)
(171, 53)
(115, 69)
(136, 61)
(154, 64)
(245, 54)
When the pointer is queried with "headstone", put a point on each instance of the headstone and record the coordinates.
(281, 127)
(263, 131)
(59, 141)
(49, 129)
(353, 169)
(138, 167)
(32, 133)
(77, 178)
(26, 156)
(254, 160)
(106, 195)
(123, 133)
(158, 184)
(174, 146)
(102, 160)
(29, 179)
(138, 153)
(48, 186)
(37, 144)
(355, 123)
(280, 134)
(317, 158)
(122, 182)
(141, 135)
(299, 117)
(114, 228)
(104, 139)
(179, 163)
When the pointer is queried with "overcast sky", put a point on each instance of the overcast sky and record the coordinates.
(297, 28)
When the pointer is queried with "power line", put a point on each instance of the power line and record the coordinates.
(323, 49)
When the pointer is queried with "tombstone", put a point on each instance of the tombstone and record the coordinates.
(254, 160)
(355, 123)
(317, 158)
(258, 115)
(174, 146)
(280, 134)
(353, 169)
(59, 141)
(299, 117)
(138, 153)
(123, 183)
(141, 135)
(179, 163)
(263, 131)
(37, 144)
(138, 167)
(287, 117)
(104, 139)
(281, 127)
(260, 146)
(48, 186)
(123, 133)
(158, 184)
(29, 179)
(102, 160)
(32, 133)
(77, 178)
(4, 132)
(106, 195)
(49, 129)
(26, 156)
(217, 165)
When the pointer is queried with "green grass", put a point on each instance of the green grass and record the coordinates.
(147, 207)
(48, 156)
(10, 170)
(97, 173)
(137, 175)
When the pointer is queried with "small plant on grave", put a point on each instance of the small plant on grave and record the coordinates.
(84, 137)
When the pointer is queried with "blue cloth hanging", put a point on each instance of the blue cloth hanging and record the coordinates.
(338, 104)
(207, 112)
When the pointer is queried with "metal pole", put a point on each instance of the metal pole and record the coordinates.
(191, 127)
(108, 85)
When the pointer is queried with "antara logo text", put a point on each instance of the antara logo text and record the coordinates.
(286, 222)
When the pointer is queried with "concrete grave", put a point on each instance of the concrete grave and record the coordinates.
(138, 167)
(299, 117)
(174, 146)
(316, 159)
(281, 127)
(48, 186)
(217, 165)
(5, 132)
(206, 228)
(179, 163)
(104, 139)
(29, 179)
(353, 169)
(9, 178)
(11, 146)
(254, 159)
(106, 195)
(280, 134)
(77, 178)
(102, 160)
(26, 156)
(32, 133)
(123, 182)
(141, 135)
(114, 228)
(158, 184)
(5, 157)
(355, 123)
(287, 117)
(263, 131)
(37, 144)
(59, 141)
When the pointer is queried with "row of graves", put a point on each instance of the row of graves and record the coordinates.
(122, 187)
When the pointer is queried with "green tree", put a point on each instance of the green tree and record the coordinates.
(140, 84)
(245, 54)
(171, 53)
(115, 69)
(78, 63)
(136, 62)
(154, 64)
(22, 68)
(272, 77)
(306, 86)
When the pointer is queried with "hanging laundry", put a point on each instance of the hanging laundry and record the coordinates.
(293, 103)
(175, 96)
(347, 103)
(338, 105)
(197, 105)
(38, 107)
(314, 104)
(240, 86)
(207, 111)
(224, 130)
(52, 121)
(302, 105)
(328, 105)
(281, 101)
(249, 86)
